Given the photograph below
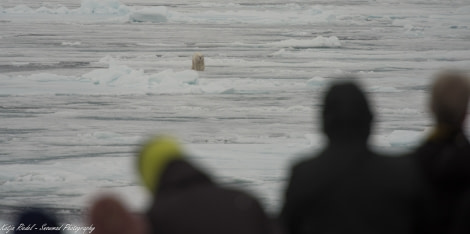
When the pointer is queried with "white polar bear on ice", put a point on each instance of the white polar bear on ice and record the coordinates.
(198, 62)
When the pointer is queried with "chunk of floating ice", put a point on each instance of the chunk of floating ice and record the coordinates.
(153, 14)
(103, 7)
(316, 81)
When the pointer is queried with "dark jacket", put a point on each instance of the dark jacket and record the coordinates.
(347, 188)
(187, 201)
(445, 160)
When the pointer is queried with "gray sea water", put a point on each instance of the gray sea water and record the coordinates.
(83, 83)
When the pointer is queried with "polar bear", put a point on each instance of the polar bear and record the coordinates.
(198, 62)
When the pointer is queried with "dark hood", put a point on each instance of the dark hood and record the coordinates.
(346, 113)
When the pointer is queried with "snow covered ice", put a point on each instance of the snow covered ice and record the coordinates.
(82, 84)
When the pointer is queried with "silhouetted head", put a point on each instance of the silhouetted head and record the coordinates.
(346, 113)
(35, 218)
(449, 99)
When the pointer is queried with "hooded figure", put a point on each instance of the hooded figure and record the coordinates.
(445, 155)
(347, 188)
(186, 200)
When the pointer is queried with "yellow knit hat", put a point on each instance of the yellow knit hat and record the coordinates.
(154, 157)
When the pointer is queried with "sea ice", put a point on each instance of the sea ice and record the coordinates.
(318, 42)
(151, 14)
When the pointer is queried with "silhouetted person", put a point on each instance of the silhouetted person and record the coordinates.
(186, 200)
(445, 155)
(461, 220)
(37, 220)
(347, 188)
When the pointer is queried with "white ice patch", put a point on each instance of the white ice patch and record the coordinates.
(169, 81)
(152, 14)
(60, 10)
(128, 80)
(405, 138)
(317, 82)
(279, 52)
(103, 7)
(318, 42)
(404, 111)
(384, 89)
(71, 43)
(117, 75)
(19, 9)
(137, 81)
(104, 137)
(35, 177)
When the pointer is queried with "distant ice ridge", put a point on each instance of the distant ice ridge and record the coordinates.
(219, 13)
(231, 13)
(88, 7)
(101, 8)
(122, 79)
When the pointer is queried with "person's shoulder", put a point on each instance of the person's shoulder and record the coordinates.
(432, 148)
(240, 198)
(462, 143)
(401, 163)
(407, 166)
(307, 160)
